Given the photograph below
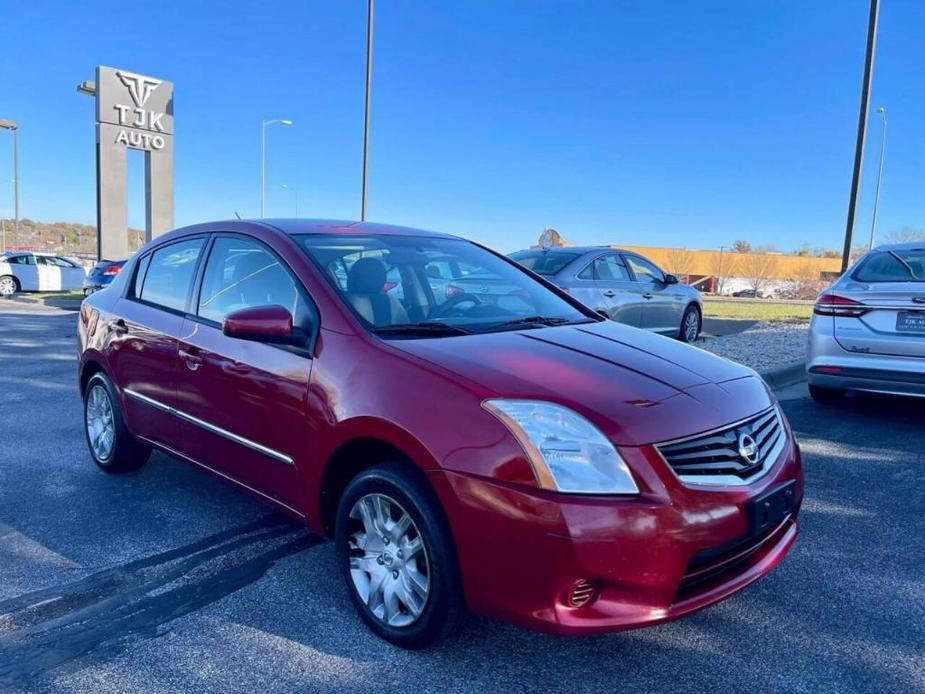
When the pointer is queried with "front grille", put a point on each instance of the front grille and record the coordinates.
(721, 455)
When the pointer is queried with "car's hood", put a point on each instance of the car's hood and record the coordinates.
(638, 387)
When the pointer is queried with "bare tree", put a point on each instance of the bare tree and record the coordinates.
(758, 268)
(722, 267)
(679, 261)
(905, 235)
(741, 246)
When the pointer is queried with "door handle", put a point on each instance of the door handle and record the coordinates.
(610, 293)
(193, 360)
(648, 295)
(118, 327)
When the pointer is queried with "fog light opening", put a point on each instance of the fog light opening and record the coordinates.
(584, 593)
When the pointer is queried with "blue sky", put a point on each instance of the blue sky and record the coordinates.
(657, 123)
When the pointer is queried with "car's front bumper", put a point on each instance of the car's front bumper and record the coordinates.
(829, 365)
(652, 558)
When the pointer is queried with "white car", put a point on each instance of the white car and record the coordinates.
(38, 272)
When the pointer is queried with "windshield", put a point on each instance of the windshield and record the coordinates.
(411, 286)
(544, 262)
(907, 265)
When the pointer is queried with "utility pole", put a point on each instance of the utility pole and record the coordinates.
(369, 86)
(862, 131)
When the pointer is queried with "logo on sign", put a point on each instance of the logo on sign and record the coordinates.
(139, 86)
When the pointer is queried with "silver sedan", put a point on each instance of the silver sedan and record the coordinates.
(868, 329)
(621, 285)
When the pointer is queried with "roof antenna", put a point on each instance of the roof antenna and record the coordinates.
(236, 214)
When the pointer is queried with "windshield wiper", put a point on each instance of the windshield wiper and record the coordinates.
(531, 320)
(428, 329)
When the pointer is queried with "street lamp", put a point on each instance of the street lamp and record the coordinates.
(369, 88)
(873, 223)
(296, 191)
(13, 127)
(263, 156)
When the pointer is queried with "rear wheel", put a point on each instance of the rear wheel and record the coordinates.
(690, 325)
(111, 445)
(822, 394)
(397, 557)
(9, 285)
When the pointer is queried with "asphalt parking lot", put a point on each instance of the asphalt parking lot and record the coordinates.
(167, 579)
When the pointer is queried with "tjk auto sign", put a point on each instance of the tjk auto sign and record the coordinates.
(141, 107)
(133, 111)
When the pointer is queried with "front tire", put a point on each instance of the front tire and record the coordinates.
(397, 557)
(691, 324)
(111, 445)
(9, 285)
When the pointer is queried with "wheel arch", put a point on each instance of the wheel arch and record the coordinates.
(355, 454)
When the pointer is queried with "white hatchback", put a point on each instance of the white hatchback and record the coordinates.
(38, 272)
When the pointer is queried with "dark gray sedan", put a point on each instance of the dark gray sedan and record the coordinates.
(622, 285)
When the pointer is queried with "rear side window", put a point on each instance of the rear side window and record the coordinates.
(241, 273)
(544, 262)
(53, 260)
(21, 260)
(610, 267)
(893, 266)
(139, 274)
(170, 274)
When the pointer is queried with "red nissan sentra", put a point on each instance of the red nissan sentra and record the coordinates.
(506, 452)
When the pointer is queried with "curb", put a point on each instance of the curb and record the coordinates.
(786, 375)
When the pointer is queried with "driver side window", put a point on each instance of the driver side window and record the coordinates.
(241, 273)
(644, 270)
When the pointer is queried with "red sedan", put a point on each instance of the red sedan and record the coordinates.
(516, 456)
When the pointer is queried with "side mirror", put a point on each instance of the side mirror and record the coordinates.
(603, 313)
(260, 324)
(671, 279)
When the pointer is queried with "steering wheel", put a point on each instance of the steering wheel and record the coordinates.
(444, 309)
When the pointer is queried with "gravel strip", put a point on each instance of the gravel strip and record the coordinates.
(762, 347)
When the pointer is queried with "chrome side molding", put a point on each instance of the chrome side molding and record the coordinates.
(231, 436)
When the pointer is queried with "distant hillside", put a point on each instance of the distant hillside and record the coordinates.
(67, 238)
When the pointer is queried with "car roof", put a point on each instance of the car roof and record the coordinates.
(346, 227)
(581, 249)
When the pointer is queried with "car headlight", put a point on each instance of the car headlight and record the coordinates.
(568, 453)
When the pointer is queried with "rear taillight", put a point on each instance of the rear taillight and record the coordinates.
(834, 305)
(112, 270)
(452, 291)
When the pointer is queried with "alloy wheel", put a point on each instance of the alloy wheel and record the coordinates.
(388, 560)
(7, 286)
(101, 429)
(691, 326)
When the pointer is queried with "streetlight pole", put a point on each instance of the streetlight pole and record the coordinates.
(263, 156)
(719, 280)
(862, 131)
(13, 127)
(873, 223)
(296, 192)
(369, 85)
